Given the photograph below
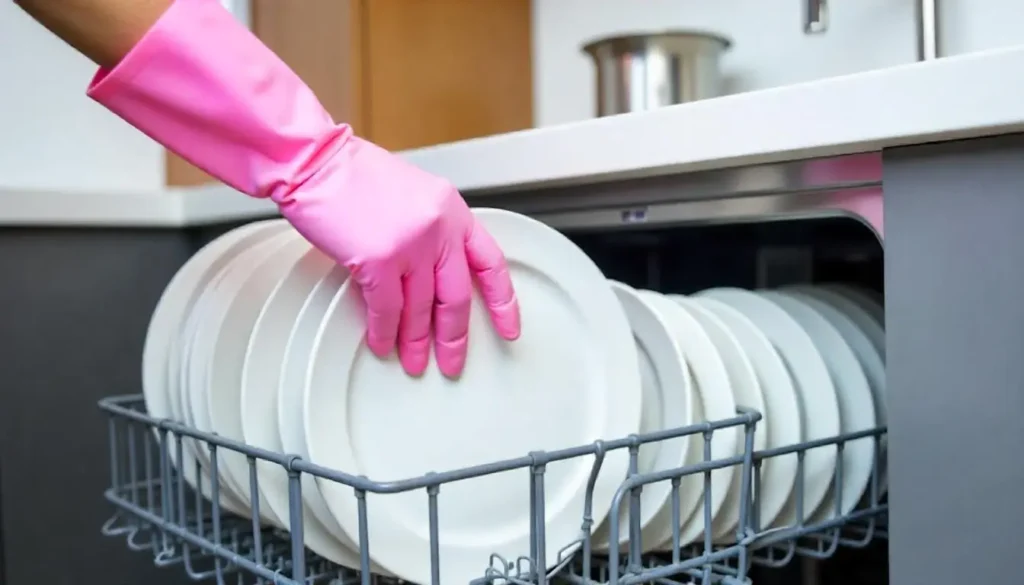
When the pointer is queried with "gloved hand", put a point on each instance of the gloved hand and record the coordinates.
(413, 246)
(203, 86)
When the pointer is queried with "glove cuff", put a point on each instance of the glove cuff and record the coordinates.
(206, 88)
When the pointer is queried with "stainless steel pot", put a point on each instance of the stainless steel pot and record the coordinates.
(645, 71)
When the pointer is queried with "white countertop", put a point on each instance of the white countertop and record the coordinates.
(958, 97)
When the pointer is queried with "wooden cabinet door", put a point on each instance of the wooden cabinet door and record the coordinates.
(403, 73)
(443, 70)
(320, 40)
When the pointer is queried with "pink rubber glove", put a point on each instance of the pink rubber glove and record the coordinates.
(206, 88)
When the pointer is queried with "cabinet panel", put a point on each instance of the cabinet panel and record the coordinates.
(75, 305)
(181, 173)
(320, 40)
(445, 70)
(954, 333)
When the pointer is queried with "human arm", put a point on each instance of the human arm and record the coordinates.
(202, 85)
(102, 30)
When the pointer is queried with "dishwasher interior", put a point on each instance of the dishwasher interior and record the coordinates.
(684, 259)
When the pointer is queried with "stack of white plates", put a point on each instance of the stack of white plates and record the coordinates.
(259, 338)
(810, 358)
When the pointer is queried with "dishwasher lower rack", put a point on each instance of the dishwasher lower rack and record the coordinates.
(157, 511)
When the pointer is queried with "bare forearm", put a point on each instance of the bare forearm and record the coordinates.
(102, 30)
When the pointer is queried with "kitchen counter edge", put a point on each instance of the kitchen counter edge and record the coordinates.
(946, 99)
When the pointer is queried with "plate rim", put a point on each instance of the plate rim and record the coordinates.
(162, 346)
(767, 360)
(696, 344)
(673, 362)
(240, 293)
(707, 317)
(206, 320)
(260, 388)
(826, 420)
(871, 362)
(851, 386)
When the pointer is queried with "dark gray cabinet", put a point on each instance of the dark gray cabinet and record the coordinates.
(74, 307)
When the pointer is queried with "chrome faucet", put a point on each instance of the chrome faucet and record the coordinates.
(815, 16)
(926, 17)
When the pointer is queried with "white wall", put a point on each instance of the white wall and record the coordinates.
(52, 137)
(770, 48)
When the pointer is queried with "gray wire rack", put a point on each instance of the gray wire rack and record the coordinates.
(157, 511)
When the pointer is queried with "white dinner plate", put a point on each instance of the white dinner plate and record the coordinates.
(819, 407)
(869, 300)
(159, 377)
(244, 295)
(291, 425)
(856, 405)
(747, 392)
(716, 402)
(166, 336)
(781, 414)
(261, 373)
(195, 452)
(861, 317)
(861, 342)
(191, 359)
(183, 354)
(868, 357)
(571, 378)
(208, 332)
(667, 404)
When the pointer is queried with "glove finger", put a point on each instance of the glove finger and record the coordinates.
(382, 291)
(490, 268)
(454, 289)
(414, 328)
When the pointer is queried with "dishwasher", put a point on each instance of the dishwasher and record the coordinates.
(797, 222)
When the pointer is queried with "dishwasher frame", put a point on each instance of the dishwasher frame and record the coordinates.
(844, 186)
